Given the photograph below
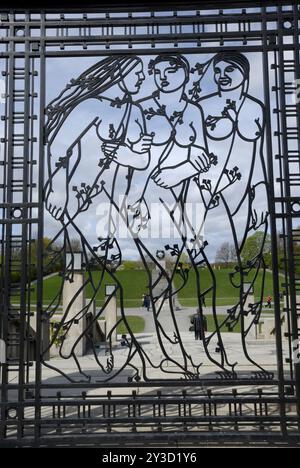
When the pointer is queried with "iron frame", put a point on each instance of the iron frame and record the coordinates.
(30, 415)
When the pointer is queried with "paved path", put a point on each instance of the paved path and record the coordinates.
(262, 352)
(182, 317)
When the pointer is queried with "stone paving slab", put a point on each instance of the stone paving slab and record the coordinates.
(263, 353)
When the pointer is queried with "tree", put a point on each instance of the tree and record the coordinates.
(256, 244)
(233, 254)
(226, 254)
(75, 245)
(184, 261)
(52, 256)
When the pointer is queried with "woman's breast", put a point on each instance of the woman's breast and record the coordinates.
(113, 124)
(220, 129)
(185, 134)
(161, 129)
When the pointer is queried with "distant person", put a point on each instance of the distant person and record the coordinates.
(147, 302)
(269, 302)
(199, 326)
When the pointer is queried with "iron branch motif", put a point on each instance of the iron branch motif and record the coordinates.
(128, 130)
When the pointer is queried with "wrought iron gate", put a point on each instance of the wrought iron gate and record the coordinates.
(224, 89)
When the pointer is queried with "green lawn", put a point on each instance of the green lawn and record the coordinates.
(227, 294)
(136, 324)
(134, 282)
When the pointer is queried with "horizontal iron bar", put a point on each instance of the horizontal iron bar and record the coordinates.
(287, 216)
(148, 438)
(161, 383)
(116, 421)
(19, 221)
(253, 35)
(151, 20)
(150, 51)
(135, 5)
(19, 205)
(286, 199)
(156, 400)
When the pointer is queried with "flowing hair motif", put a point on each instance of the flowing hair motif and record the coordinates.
(95, 80)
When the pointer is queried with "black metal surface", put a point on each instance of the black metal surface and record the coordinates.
(136, 5)
(260, 404)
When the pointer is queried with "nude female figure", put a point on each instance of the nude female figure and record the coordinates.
(235, 189)
(178, 155)
(85, 126)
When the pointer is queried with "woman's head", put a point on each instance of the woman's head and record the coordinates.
(171, 72)
(231, 70)
(125, 71)
(132, 80)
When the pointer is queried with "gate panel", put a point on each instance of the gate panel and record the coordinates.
(202, 107)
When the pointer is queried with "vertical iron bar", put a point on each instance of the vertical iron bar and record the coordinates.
(296, 333)
(287, 187)
(24, 337)
(8, 227)
(40, 246)
(272, 208)
(283, 227)
(297, 68)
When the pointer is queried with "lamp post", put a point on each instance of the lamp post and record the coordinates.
(111, 313)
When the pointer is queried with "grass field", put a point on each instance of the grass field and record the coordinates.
(135, 284)
(137, 325)
(227, 294)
